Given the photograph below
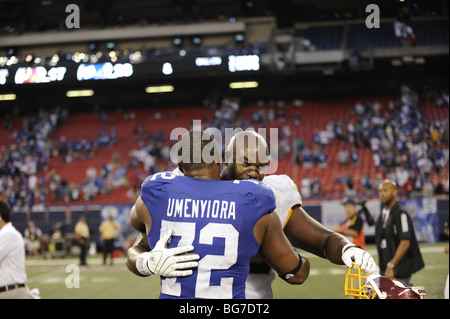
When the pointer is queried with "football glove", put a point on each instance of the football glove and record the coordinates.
(355, 254)
(167, 262)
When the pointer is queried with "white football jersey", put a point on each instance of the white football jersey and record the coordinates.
(259, 281)
(286, 193)
(177, 172)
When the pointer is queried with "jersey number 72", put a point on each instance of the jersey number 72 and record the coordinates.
(203, 289)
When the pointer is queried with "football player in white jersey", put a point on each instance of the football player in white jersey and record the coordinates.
(301, 229)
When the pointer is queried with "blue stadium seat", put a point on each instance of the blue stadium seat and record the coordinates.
(360, 37)
(323, 37)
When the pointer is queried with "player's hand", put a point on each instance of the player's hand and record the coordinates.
(354, 254)
(167, 262)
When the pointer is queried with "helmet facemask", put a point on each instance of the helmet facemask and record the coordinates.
(379, 287)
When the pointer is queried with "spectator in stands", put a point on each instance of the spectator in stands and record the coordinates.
(89, 189)
(428, 188)
(349, 187)
(343, 157)
(307, 158)
(336, 130)
(316, 137)
(74, 192)
(439, 159)
(402, 176)
(319, 157)
(425, 166)
(297, 116)
(316, 187)
(305, 190)
(409, 187)
(299, 144)
(91, 173)
(366, 184)
(354, 156)
(63, 148)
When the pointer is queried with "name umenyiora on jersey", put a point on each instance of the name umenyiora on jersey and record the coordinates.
(197, 208)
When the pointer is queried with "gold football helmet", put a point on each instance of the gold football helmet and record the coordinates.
(379, 287)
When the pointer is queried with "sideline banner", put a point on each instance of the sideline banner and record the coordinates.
(423, 211)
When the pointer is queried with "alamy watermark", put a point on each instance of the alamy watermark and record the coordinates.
(373, 19)
(73, 279)
(253, 148)
(73, 19)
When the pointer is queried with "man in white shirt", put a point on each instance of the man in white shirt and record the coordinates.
(12, 258)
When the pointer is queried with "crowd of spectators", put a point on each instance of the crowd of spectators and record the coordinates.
(27, 181)
(29, 154)
(405, 147)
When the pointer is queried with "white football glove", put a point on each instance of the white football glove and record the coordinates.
(167, 262)
(352, 253)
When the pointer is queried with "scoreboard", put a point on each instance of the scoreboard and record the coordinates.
(70, 72)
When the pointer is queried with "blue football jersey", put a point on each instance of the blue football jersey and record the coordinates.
(217, 218)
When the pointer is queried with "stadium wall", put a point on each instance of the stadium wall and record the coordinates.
(429, 216)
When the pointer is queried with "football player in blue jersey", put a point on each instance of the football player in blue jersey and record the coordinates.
(228, 222)
(300, 228)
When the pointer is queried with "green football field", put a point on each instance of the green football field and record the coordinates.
(63, 279)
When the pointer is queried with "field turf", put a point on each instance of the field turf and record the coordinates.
(54, 277)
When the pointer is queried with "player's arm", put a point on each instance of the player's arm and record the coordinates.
(306, 233)
(345, 231)
(140, 217)
(163, 261)
(278, 252)
(140, 246)
(137, 220)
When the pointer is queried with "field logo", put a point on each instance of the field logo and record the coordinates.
(179, 152)
(73, 19)
(73, 279)
(373, 19)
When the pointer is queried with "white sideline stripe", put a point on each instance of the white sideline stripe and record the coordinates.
(50, 278)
